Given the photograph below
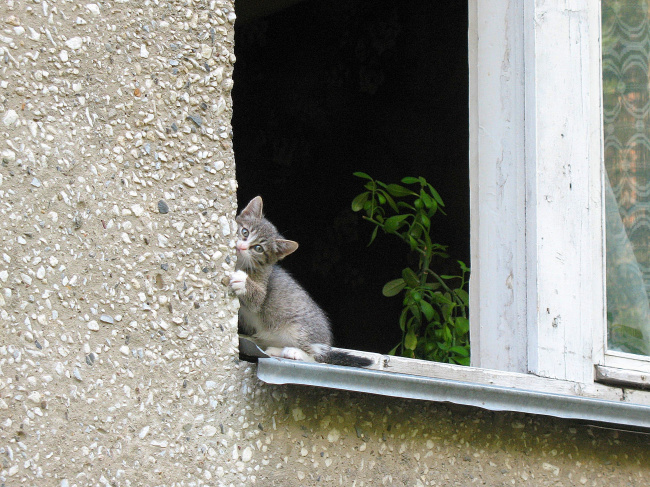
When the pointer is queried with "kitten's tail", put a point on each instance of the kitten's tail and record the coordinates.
(339, 357)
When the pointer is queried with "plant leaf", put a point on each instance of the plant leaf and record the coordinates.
(410, 277)
(394, 287)
(393, 223)
(417, 314)
(413, 243)
(446, 335)
(410, 180)
(416, 230)
(462, 325)
(432, 285)
(391, 201)
(435, 195)
(441, 299)
(426, 223)
(399, 191)
(462, 351)
(358, 202)
(373, 236)
(410, 341)
(427, 309)
(402, 319)
(360, 174)
(428, 201)
(462, 294)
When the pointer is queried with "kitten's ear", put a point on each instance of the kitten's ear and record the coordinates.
(285, 247)
(253, 208)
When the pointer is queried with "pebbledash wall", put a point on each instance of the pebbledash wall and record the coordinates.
(118, 345)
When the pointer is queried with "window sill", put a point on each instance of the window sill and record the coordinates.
(622, 377)
(487, 389)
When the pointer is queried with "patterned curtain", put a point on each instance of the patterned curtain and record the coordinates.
(626, 114)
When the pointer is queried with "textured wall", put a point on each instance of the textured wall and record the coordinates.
(116, 194)
(118, 337)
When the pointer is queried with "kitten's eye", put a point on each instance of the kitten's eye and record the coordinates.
(244, 233)
(258, 248)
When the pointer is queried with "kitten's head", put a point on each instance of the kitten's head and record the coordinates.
(258, 242)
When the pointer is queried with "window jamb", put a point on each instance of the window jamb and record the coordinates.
(497, 187)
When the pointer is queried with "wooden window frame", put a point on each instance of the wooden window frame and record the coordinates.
(538, 296)
(537, 188)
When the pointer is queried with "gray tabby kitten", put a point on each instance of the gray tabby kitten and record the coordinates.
(279, 314)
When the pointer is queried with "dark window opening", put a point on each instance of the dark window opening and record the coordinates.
(324, 88)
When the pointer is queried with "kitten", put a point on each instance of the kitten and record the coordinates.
(279, 314)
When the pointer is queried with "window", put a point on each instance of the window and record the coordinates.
(539, 187)
(626, 60)
(326, 88)
(537, 217)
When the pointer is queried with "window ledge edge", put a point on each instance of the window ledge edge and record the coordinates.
(493, 396)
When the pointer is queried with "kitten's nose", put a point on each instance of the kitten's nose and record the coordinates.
(242, 245)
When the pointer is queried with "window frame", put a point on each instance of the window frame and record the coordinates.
(536, 82)
(537, 288)
(536, 85)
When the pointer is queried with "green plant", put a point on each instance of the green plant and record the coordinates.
(434, 319)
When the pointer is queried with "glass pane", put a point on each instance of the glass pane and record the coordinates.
(626, 60)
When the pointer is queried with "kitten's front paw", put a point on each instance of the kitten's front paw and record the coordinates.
(238, 282)
(292, 353)
(295, 354)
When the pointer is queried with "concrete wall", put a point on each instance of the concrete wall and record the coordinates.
(118, 361)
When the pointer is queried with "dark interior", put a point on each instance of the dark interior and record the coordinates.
(325, 88)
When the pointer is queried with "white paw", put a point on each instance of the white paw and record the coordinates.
(291, 353)
(238, 282)
(273, 352)
(296, 354)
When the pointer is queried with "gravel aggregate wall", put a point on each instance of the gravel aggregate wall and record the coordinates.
(118, 340)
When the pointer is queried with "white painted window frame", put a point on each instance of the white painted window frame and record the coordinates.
(536, 156)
